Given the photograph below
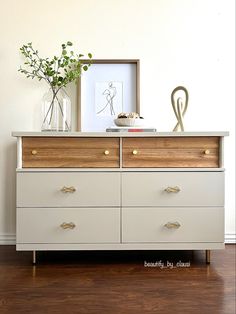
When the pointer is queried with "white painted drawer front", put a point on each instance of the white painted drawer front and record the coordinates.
(43, 225)
(195, 189)
(195, 224)
(91, 189)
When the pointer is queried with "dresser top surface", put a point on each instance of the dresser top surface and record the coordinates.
(119, 134)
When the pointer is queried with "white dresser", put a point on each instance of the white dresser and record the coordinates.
(120, 191)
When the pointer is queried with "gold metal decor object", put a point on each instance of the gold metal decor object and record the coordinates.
(34, 152)
(172, 189)
(67, 225)
(68, 189)
(172, 225)
(34, 257)
(106, 152)
(180, 106)
(135, 152)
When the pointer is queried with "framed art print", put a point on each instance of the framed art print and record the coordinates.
(108, 88)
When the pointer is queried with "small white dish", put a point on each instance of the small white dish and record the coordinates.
(130, 122)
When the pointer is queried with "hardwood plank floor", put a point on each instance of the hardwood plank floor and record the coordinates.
(117, 282)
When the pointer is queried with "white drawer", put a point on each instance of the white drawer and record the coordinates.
(91, 189)
(87, 225)
(188, 225)
(195, 189)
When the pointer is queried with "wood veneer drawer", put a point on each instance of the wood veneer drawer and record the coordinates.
(173, 189)
(59, 152)
(68, 225)
(68, 189)
(173, 224)
(171, 152)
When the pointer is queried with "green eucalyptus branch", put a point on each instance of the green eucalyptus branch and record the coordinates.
(59, 71)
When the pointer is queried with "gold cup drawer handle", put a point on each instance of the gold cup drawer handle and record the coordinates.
(172, 189)
(67, 225)
(172, 225)
(68, 189)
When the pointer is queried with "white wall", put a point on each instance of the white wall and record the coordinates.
(189, 42)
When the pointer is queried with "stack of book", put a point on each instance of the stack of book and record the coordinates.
(130, 129)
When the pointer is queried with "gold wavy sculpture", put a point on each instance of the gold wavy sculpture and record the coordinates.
(180, 106)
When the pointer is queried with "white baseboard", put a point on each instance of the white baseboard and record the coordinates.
(9, 239)
(230, 238)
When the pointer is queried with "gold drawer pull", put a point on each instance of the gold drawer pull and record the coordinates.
(67, 225)
(68, 189)
(106, 152)
(172, 189)
(135, 152)
(207, 152)
(172, 225)
(34, 152)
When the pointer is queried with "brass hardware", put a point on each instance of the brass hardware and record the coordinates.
(135, 152)
(172, 225)
(106, 152)
(171, 189)
(34, 258)
(34, 152)
(207, 152)
(67, 225)
(68, 189)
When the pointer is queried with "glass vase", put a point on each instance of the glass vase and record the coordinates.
(56, 111)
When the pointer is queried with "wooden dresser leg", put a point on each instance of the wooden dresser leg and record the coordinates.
(34, 257)
(208, 256)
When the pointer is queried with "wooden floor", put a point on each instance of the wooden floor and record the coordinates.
(117, 282)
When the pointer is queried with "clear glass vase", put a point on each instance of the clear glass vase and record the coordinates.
(56, 111)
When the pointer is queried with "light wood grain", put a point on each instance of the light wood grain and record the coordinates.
(160, 152)
(172, 142)
(171, 152)
(70, 152)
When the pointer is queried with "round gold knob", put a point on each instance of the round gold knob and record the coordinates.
(135, 152)
(207, 152)
(34, 152)
(106, 152)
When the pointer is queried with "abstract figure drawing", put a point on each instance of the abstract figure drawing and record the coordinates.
(109, 94)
